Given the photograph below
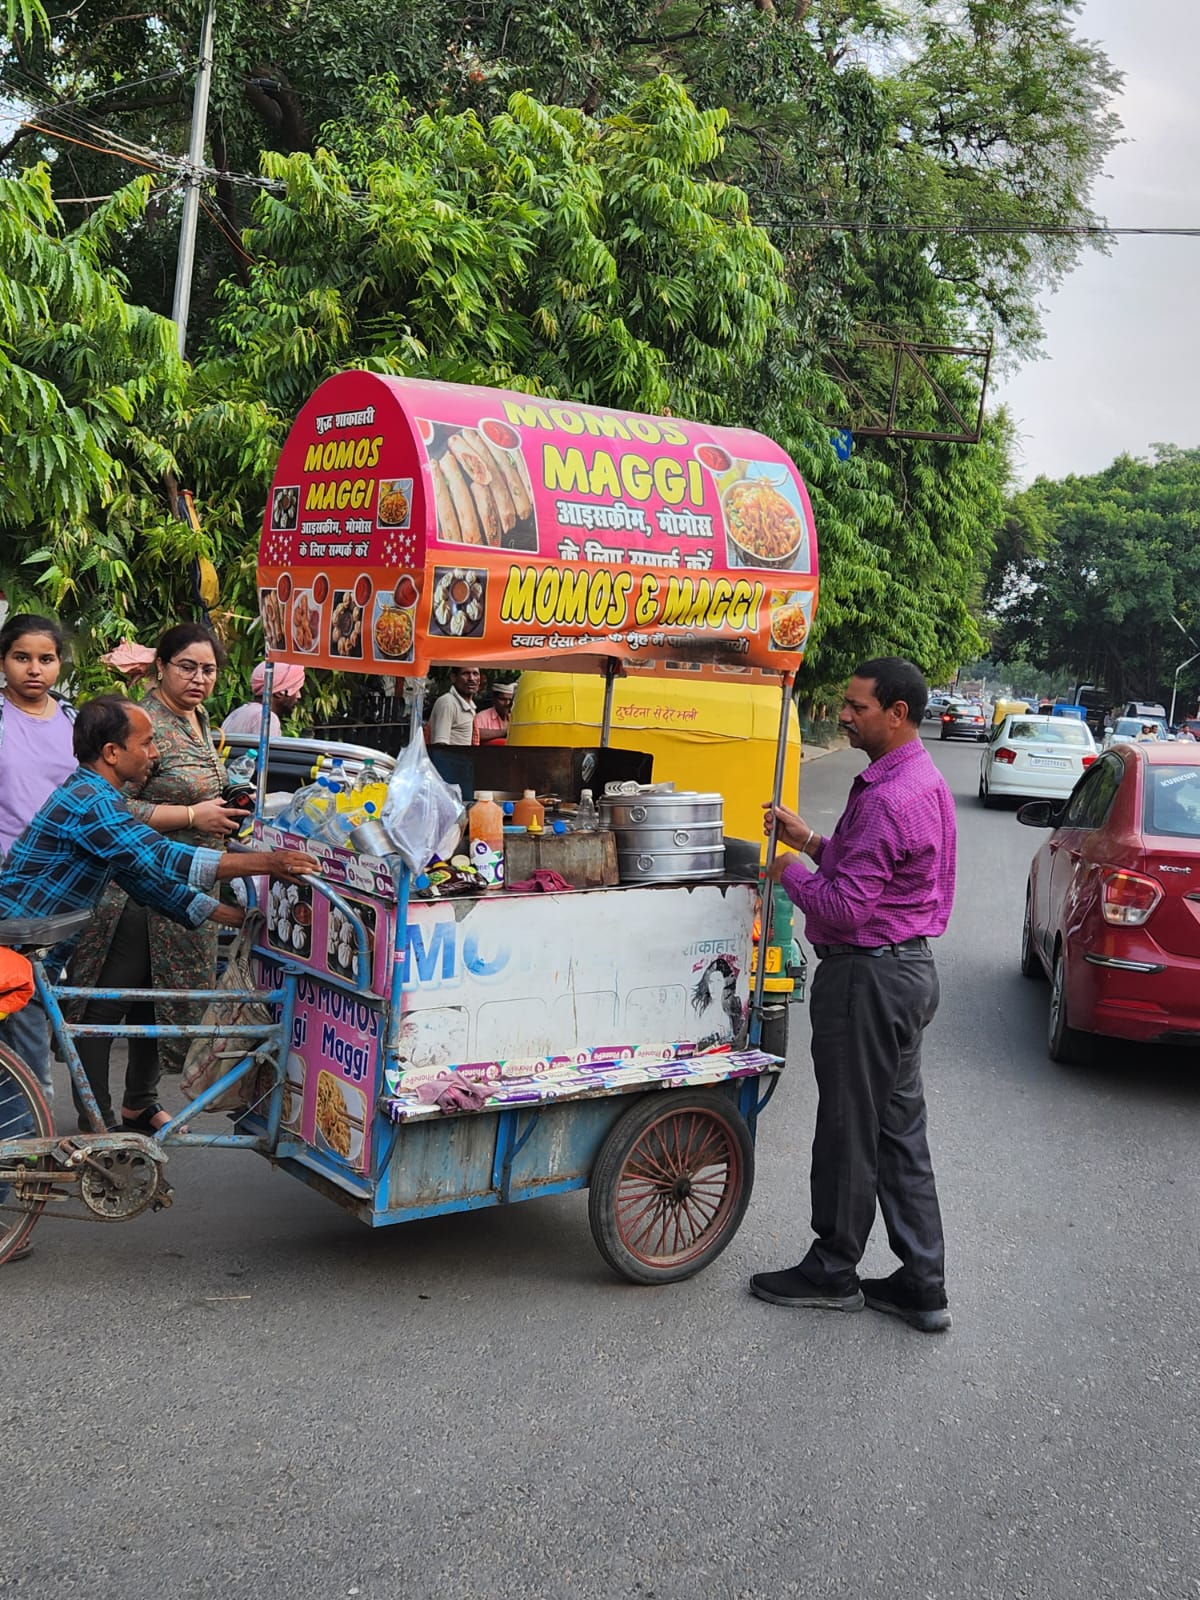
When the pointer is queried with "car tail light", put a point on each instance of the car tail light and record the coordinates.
(1087, 761)
(1128, 898)
(1005, 755)
(947, 717)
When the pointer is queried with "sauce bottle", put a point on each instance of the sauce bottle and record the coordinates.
(527, 808)
(485, 826)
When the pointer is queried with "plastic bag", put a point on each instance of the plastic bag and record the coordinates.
(422, 811)
(209, 1059)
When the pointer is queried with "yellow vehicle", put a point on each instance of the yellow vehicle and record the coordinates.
(1006, 708)
(707, 728)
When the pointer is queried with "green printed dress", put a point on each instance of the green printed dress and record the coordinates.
(188, 770)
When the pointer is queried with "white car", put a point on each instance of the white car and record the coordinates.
(1130, 730)
(1035, 758)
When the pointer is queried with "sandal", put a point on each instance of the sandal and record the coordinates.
(144, 1121)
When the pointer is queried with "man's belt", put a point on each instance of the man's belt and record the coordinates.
(920, 943)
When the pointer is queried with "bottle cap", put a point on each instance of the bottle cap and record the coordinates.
(370, 808)
(534, 826)
(585, 794)
(485, 794)
(559, 827)
(508, 808)
(531, 794)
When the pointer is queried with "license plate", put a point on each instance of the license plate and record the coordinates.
(1050, 761)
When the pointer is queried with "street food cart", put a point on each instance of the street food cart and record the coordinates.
(439, 1054)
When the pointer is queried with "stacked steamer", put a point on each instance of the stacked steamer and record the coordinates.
(666, 838)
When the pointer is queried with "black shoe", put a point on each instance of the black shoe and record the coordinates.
(920, 1308)
(792, 1288)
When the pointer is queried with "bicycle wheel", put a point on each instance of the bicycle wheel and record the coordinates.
(24, 1114)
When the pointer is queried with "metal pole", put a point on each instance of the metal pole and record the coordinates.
(1175, 684)
(195, 160)
(610, 683)
(764, 916)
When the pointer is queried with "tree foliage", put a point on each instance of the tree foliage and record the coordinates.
(1116, 557)
(690, 207)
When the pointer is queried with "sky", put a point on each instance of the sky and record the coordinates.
(1121, 367)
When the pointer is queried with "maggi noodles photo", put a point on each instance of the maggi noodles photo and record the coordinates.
(765, 526)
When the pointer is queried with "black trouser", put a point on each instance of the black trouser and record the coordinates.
(868, 1015)
(127, 966)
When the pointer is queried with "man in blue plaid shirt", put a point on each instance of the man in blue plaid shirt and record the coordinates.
(85, 835)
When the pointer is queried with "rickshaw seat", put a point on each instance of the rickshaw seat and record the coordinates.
(39, 933)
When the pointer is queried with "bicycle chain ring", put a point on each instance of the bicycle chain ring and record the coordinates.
(122, 1183)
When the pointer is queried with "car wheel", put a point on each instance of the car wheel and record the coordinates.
(1031, 966)
(1065, 1043)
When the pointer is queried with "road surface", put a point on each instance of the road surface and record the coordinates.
(252, 1395)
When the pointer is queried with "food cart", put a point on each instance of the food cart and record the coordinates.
(433, 1055)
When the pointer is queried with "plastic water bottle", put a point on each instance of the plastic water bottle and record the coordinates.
(241, 772)
(316, 802)
(586, 817)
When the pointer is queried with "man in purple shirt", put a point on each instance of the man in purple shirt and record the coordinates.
(883, 887)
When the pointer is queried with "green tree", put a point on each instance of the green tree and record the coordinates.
(1121, 557)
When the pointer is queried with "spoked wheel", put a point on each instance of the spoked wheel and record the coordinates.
(24, 1114)
(671, 1184)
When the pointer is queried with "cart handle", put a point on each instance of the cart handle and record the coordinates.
(362, 963)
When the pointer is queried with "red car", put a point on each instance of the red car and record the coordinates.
(1112, 908)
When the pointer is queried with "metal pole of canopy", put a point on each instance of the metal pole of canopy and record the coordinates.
(610, 682)
(764, 917)
(264, 741)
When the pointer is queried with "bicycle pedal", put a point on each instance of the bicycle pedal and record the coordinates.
(164, 1198)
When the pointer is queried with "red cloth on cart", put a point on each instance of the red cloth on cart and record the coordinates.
(544, 880)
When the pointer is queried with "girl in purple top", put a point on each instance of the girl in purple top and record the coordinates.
(35, 757)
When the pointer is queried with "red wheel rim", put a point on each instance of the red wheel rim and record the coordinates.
(678, 1187)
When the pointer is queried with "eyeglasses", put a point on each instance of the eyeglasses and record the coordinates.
(193, 669)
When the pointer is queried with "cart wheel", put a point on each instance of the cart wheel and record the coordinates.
(24, 1114)
(671, 1185)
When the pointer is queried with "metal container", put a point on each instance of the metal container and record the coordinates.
(666, 838)
(669, 866)
(637, 811)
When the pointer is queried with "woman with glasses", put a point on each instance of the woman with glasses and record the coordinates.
(128, 947)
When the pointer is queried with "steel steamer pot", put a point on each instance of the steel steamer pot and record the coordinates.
(664, 838)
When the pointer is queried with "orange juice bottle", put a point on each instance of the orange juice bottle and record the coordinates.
(485, 825)
(527, 809)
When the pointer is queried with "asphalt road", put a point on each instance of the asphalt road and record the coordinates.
(253, 1395)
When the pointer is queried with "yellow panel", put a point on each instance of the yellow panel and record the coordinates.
(703, 735)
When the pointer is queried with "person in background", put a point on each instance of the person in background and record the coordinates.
(130, 946)
(35, 757)
(1148, 733)
(286, 689)
(453, 717)
(491, 724)
(882, 889)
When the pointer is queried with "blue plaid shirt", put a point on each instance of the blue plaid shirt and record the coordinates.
(83, 837)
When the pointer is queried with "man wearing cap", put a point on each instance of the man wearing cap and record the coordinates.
(491, 725)
(285, 697)
(452, 720)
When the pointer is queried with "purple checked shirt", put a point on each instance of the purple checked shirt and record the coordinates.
(886, 873)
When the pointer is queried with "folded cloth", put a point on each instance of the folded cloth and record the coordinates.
(543, 880)
(450, 1091)
(131, 660)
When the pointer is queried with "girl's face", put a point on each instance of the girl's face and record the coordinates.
(31, 667)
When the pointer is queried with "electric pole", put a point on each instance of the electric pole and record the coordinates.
(191, 199)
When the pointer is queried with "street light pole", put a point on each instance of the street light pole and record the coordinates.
(1175, 684)
(191, 199)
